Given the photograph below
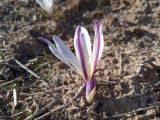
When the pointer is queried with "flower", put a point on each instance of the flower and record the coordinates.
(86, 57)
(47, 6)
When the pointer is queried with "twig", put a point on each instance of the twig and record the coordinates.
(17, 114)
(39, 111)
(107, 82)
(79, 91)
(157, 84)
(25, 68)
(3, 49)
(15, 97)
(120, 66)
(134, 76)
(141, 109)
(134, 111)
(10, 82)
(40, 93)
(49, 113)
(92, 107)
(123, 114)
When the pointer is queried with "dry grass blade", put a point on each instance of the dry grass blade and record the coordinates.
(15, 101)
(92, 107)
(10, 82)
(17, 114)
(120, 115)
(79, 91)
(107, 82)
(27, 69)
(39, 111)
(49, 113)
(134, 111)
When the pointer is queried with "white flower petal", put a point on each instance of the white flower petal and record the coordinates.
(82, 46)
(47, 5)
(98, 45)
(56, 52)
(67, 53)
(86, 43)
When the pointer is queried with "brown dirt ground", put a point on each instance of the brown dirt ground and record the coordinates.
(128, 75)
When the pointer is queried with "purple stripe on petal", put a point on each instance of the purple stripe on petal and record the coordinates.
(81, 54)
(90, 85)
(97, 42)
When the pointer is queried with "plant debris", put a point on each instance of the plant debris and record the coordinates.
(128, 74)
